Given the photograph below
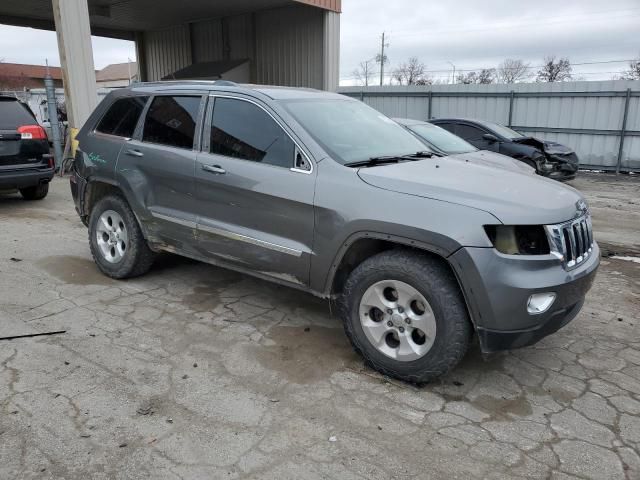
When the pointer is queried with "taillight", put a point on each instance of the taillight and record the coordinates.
(32, 132)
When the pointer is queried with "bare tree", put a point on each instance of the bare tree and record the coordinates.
(364, 73)
(412, 72)
(555, 71)
(634, 71)
(485, 76)
(513, 70)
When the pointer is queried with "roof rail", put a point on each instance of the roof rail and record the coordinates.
(219, 83)
(225, 83)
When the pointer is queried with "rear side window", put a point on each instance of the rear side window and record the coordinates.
(241, 129)
(172, 121)
(122, 117)
(13, 114)
(449, 127)
(469, 133)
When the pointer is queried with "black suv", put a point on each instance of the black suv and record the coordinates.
(25, 162)
(550, 159)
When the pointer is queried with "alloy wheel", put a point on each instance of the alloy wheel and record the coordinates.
(397, 319)
(111, 236)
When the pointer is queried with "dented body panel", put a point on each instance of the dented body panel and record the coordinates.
(550, 159)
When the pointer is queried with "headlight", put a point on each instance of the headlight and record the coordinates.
(518, 239)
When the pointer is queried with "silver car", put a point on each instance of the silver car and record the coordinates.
(319, 192)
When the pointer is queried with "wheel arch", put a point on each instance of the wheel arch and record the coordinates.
(363, 245)
(97, 188)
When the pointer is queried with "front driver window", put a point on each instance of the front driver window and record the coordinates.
(243, 130)
(470, 134)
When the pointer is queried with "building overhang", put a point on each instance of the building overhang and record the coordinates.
(121, 19)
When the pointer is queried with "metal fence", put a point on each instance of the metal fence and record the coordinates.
(599, 120)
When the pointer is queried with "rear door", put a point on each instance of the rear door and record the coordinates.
(117, 125)
(16, 151)
(255, 189)
(158, 166)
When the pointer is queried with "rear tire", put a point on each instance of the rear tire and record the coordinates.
(37, 192)
(116, 241)
(401, 349)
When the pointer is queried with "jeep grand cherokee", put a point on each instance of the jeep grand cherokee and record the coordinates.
(320, 192)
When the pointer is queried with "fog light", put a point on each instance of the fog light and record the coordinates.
(540, 303)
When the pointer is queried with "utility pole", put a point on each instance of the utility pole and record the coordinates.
(453, 78)
(52, 111)
(382, 58)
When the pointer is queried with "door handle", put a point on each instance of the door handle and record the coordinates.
(217, 169)
(134, 153)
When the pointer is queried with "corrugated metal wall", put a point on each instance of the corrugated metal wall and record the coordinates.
(207, 40)
(294, 46)
(335, 5)
(289, 47)
(587, 116)
(166, 51)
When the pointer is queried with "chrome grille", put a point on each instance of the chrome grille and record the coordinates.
(571, 242)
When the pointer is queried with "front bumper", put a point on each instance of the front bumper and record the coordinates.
(497, 288)
(563, 166)
(24, 178)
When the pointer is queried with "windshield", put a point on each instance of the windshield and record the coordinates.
(351, 131)
(441, 139)
(503, 131)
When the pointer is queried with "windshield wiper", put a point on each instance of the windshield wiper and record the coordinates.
(424, 154)
(390, 159)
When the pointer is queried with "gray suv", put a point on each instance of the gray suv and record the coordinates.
(319, 192)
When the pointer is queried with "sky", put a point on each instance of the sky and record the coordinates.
(28, 45)
(474, 34)
(466, 33)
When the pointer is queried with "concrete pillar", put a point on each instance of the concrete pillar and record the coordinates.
(76, 58)
(141, 56)
(331, 54)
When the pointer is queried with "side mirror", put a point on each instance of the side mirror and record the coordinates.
(301, 163)
(489, 137)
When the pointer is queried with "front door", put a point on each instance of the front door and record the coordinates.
(255, 200)
(159, 165)
(474, 136)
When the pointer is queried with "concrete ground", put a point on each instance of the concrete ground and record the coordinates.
(196, 372)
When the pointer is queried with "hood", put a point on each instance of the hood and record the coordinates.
(496, 160)
(552, 148)
(511, 196)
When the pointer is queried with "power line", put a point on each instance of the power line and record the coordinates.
(528, 67)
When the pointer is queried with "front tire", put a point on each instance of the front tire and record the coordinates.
(404, 313)
(116, 241)
(37, 192)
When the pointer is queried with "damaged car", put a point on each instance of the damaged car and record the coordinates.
(550, 159)
(445, 143)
